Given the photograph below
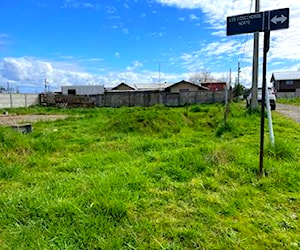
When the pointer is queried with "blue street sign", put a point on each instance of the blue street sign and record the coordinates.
(246, 23)
(279, 19)
(257, 22)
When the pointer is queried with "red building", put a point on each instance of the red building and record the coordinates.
(214, 86)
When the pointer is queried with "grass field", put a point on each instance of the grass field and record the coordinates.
(149, 178)
(292, 101)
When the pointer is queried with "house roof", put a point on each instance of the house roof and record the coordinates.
(208, 83)
(185, 82)
(151, 86)
(123, 84)
(140, 86)
(289, 75)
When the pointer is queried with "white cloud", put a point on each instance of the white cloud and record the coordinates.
(186, 57)
(136, 64)
(194, 17)
(126, 6)
(284, 43)
(31, 72)
(78, 4)
(125, 31)
(216, 11)
(284, 46)
(25, 69)
(111, 10)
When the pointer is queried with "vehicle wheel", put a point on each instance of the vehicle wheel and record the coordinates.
(273, 106)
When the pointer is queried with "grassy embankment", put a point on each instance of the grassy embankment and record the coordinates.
(149, 178)
(292, 101)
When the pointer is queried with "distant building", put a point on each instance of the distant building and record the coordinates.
(83, 90)
(139, 87)
(123, 86)
(214, 86)
(184, 86)
(286, 81)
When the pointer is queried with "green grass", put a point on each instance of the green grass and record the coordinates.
(149, 178)
(292, 101)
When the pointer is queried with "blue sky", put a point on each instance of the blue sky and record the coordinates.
(105, 42)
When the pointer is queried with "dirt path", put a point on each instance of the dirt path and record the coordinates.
(9, 120)
(289, 111)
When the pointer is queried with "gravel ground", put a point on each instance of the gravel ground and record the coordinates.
(10, 120)
(289, 111)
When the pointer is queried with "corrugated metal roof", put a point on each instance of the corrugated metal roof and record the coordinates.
(150, 86)
(291, 75)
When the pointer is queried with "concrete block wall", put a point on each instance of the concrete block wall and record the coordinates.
(150, 98)
(18, 100)
(32, 99)
(288, 95)
(5, 101)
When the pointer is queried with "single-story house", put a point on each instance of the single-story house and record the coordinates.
(184, 86)
(286, 81)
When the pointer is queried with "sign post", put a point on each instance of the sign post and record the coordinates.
(258, 22)
(263, 101)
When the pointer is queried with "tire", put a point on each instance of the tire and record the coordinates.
(273, 106)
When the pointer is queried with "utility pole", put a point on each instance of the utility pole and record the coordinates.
(254, 103)
(46, 85)
(239, 71)
(228, 84)
(159, 72)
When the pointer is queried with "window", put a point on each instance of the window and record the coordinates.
(71, 91)
(184, 90)
(289, 82)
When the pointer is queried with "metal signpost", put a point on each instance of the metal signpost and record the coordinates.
(258, 22)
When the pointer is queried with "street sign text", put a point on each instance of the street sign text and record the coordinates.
(257, 22)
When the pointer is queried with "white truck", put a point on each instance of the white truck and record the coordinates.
(271, 94)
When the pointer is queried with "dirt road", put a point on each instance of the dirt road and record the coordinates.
(289, 111)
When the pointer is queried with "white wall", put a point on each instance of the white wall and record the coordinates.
(288, 95)
(84, 89)
(18, 100)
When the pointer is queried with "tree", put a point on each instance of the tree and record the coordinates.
(203, 76)
(238, 90)
(2, 90)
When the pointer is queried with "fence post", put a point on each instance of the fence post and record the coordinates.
(25, 100)
(10, 100)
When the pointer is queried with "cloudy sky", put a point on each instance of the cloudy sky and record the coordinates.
(108, 41)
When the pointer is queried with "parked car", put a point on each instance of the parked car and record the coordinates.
(271, 94)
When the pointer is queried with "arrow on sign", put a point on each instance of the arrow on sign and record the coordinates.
(276, 19)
